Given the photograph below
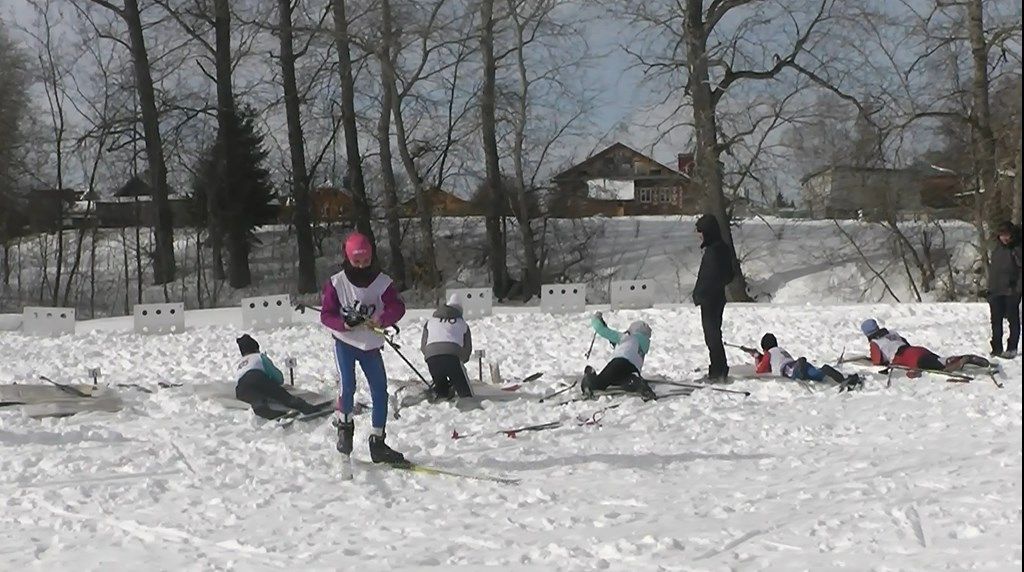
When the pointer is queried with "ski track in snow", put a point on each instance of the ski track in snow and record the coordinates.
(925, 475)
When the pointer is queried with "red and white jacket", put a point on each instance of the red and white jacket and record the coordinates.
(776, 361)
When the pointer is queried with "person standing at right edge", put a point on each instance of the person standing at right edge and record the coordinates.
(715, 273)
(1004, 289)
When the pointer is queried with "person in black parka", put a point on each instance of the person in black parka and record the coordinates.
(715, 273)
(1004, 288)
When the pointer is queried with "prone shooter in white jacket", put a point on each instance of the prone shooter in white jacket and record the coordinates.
(447, 344)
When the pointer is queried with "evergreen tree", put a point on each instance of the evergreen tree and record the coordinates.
(244, 200)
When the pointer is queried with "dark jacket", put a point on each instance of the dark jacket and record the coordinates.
(1005, 267)
(716, 270)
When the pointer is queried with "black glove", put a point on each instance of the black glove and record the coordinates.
(354, 320)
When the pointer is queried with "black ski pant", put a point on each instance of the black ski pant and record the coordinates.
(619, 371)
(711, 321)
(1004, 308)
(268, 399)
(447, 372)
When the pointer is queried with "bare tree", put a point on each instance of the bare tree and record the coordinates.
(386, 54)
(163, 255)
(301, 216)
(354, 179)
(488, 132)
(720, 48)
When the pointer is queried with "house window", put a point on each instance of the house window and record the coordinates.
(644, 195)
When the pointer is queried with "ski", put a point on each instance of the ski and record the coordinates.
(519, 384)
(951, 377)
(695, 386)
(431, 470)
(66, 388)
(288, 419)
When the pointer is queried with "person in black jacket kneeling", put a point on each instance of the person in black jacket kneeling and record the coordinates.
(716, 271)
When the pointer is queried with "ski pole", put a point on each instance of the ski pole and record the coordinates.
(559, 392)
(394, 346)
(302, 307)
(699, 386)
(592, 340)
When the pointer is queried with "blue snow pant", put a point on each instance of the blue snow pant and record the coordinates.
(372, 364)
(814, 373)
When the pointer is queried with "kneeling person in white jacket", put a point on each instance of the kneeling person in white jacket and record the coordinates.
(447, 344)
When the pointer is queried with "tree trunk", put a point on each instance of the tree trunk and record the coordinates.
(531, 268)
(1016, 182)
(707, 172)
(239, 275)
(354, 179)
(391, 214)
(488, 132)
(301, 217)
(424, 210)
(163, 259)
(984, 140)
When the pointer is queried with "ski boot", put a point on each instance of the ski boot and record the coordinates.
(851, 382)
(381, 453)
(977, 361)
(640, 386)
(586, 384)
(346, 431)
(1009, 354)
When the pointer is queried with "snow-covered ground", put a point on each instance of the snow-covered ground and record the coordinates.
(925, 475)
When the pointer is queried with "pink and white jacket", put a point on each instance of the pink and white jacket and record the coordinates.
(367, 290)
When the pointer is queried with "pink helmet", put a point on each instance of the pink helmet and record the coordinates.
(358, 249)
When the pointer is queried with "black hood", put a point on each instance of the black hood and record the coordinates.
(1013, 230)
(707, 225)
(361, 277)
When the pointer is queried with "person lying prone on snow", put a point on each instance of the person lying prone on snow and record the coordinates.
(889, 348)
(777, 361)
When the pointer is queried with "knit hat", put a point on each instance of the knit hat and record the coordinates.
(358, 249)
(640, 327)
(768, 342)
(247, 345)
(869, 326)
(454, 301)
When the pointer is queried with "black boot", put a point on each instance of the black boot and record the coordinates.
(640, 386)
(346, 431)
(978, 361)
(832, 373)
(586, 384)
(381, 453)
(851, 382)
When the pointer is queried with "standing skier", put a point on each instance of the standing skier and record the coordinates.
(890, 348)
(623, 369)
(261, 384)
(715, 273)
(357, 303)
(778, 361)
(1004, 289)
(448, 344)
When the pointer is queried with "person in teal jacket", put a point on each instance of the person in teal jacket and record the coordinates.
(261, 384)
(623, 370)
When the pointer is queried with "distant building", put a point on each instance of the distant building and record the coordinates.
(331, 204)
(620, 181)
(442, 203)
(132, 205)
(876, 193)
(49, 210)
